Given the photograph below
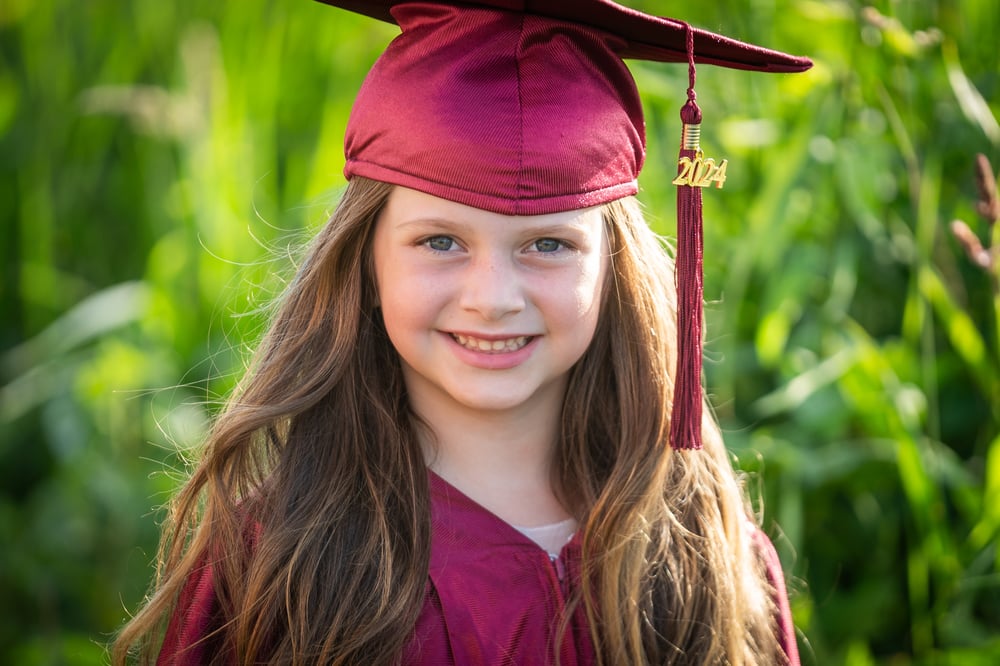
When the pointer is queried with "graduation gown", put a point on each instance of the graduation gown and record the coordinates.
(493, 596)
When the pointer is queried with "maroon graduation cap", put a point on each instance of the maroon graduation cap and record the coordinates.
(527, 107)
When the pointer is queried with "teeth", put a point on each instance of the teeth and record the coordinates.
(476, 344)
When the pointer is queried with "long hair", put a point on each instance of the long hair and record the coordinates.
(311, 498)
(669, 572)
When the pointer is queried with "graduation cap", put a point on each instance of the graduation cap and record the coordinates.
(526, 107)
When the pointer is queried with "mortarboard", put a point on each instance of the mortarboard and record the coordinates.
(526, 107)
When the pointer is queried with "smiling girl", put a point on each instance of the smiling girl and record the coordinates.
(453, 444)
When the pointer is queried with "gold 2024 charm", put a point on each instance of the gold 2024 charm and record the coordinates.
(701, 172)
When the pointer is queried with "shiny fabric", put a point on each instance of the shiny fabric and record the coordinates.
(498, 110)
(519, 107)
(493, 597)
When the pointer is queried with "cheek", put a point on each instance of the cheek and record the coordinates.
(408, 302)
(590, 288)
(577, 302)
(390, 276)
(397, 301)
(388, 286)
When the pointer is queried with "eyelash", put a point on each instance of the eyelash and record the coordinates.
(428, 243)
(561, 245)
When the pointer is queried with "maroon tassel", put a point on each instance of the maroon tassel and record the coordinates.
(685, 421)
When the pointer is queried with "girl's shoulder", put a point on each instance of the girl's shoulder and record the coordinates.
(195, 619)
(194, 632)
(786, 628)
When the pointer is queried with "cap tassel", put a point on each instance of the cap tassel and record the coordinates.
(693, 173)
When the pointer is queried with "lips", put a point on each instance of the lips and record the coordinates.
(496, 346)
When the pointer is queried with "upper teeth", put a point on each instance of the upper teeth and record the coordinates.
(510, 344)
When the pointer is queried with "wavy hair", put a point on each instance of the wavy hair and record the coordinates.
(670, 573)
(313, 474)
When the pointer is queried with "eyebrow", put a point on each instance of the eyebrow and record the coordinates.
(432, 221)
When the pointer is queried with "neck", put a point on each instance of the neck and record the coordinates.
(501, 460)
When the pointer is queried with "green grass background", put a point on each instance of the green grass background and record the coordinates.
(162, 163)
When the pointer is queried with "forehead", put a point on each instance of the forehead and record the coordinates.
(408, 207)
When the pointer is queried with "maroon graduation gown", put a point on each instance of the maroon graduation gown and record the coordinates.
(493, 597)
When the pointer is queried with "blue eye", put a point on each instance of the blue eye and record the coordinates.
(440, 243)
(547, 245)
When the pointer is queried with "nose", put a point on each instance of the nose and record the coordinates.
(492, 287)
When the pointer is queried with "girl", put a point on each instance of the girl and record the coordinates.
(453, 444)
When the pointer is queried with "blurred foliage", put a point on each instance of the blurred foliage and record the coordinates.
(163, 162)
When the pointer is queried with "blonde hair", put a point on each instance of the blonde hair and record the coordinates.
(667, 536)
(311, 500)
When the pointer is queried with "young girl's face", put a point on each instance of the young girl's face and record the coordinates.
(488, 312)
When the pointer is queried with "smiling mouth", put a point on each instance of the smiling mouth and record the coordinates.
(491, 346)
